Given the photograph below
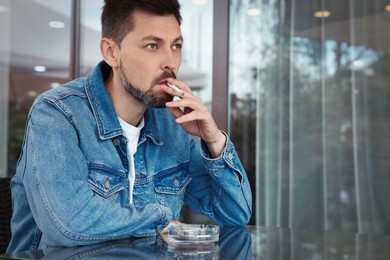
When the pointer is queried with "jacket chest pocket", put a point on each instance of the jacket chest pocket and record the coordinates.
(167, 188)
(107, 182)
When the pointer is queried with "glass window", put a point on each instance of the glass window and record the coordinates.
(90, 34)
(35, 56)
(197, 60)
(309, 110)
(4, 84)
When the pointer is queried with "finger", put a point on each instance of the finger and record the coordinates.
(192, 116)
(182, 90)
(173, 91)
(165, 230)
(176, 112)
(176, 89)
(188, 103)
(181, 85)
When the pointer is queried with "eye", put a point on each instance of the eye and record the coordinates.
(177, 46)
(151, 46)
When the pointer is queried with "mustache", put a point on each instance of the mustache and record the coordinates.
(166, 74)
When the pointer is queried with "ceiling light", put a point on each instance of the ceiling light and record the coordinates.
(253, 12)
(387, 8)
(369, 72)
(322, 14)
(55, 84)
(199, 2)
(56, 24)
(40, 68)
(32, 93)
(358, 65)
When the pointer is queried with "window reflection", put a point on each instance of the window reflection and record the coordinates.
(38, 59)
(4, 86)
(308, 83)
(90, 35)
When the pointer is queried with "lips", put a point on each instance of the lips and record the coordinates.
(163, 78)
(164, 82)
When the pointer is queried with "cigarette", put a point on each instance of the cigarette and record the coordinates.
(178, 90)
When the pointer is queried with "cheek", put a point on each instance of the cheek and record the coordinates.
(178, 62)
(139, 75)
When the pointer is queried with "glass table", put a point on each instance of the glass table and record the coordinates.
(249, 242)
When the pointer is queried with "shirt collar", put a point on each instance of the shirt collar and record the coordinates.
(106, 119)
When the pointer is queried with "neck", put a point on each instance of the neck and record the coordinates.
(126, 107)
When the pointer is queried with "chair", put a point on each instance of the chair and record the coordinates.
(5, 212)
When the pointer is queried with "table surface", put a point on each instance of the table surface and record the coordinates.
(249, 242)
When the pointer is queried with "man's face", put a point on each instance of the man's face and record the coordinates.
(150, 54)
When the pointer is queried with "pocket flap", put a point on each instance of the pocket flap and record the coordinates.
(105, 181)
(172, 183)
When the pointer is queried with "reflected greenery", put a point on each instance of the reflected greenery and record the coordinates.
(314, 127)
(17, 121)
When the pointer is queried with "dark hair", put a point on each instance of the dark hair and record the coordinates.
(117, 18)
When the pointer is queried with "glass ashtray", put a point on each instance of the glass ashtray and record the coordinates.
(194, 251)
(190, 234)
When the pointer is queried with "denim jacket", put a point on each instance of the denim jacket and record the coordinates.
(71, 185)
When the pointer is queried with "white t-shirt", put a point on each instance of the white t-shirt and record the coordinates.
(132, 134)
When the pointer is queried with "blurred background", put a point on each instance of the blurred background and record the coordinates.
(301, 86)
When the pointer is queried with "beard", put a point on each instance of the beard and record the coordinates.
(147, 97)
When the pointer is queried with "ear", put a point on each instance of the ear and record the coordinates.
(109, 51)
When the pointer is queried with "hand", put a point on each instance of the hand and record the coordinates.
(164, 232)
(172, 223)
(195, 117)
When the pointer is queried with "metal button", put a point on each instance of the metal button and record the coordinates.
(139, 175)
(176, 181)
(107, 183)
(117, 142)
(230, 155)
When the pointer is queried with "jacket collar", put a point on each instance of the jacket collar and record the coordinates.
(103, 110)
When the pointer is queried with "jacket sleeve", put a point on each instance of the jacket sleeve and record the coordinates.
(55, 177)
(220, 188)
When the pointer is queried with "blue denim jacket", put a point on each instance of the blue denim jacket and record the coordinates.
(71, 185)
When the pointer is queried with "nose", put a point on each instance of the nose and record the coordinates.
(170, 60)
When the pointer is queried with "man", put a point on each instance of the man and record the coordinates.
(112, 155)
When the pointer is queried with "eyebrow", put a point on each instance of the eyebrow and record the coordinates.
(158, 39)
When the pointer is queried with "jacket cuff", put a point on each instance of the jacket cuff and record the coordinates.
(165, 218)
(228, 157)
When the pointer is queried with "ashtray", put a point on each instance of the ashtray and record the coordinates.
(191, 234)
(194, 251)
